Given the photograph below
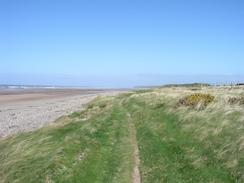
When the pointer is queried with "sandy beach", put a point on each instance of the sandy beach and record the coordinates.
(30, 109)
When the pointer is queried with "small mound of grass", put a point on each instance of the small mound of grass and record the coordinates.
(196, 101)
(236, 100)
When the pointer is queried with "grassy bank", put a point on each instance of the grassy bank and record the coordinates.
(176, 144)
(90, 146)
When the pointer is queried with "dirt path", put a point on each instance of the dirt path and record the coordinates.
(136, 177)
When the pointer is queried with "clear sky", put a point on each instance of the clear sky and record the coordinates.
(119, 43)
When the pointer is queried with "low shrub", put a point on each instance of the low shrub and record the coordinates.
(236, 100)
(196, 101)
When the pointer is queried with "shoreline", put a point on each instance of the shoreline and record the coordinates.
(27, 110)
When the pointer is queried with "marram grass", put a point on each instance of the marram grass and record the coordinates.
(94, 145)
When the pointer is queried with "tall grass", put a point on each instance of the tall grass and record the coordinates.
(176, 144)
(89, 146)
(217, 130)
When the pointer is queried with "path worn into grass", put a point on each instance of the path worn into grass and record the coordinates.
(124, 139)
(168, 153)
(136, 177)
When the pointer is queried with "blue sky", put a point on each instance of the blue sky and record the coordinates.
(121, 43)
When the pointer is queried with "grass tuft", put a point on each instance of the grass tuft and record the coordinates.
(236, 100)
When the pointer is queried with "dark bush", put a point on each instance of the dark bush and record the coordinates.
(236, 100)
(196, 101)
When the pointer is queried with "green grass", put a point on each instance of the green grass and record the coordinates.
(95, 145)
(96, 150)
(168, 153)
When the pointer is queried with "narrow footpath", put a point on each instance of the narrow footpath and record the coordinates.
(136, 177)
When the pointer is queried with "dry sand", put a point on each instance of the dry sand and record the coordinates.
(27, 110)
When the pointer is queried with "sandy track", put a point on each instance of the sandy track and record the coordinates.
(136, 177)
(22, 111)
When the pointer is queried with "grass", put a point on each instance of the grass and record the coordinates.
(94, 150)
(94, 145)
(235, 100)
(170, 154)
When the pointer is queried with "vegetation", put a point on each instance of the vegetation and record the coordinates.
(188, 85)
(95, 145)
(196, 100)
(236, 100)
(89, 146)
(240, 84)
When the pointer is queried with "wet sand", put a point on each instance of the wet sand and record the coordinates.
(30, 109)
